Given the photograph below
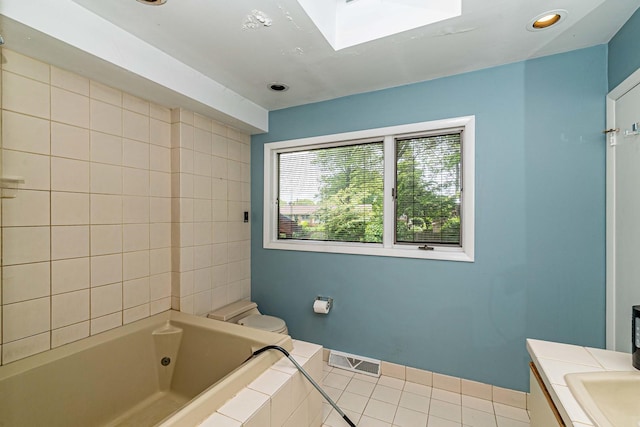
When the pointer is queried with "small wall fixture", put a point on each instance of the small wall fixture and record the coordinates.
(547, 20)
(278, 87)
(153, 2)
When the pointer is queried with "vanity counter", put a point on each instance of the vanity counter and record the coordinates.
(554, 360)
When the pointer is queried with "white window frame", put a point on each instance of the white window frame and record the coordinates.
(387, 247)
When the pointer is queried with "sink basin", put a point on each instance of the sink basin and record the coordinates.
(610, 399)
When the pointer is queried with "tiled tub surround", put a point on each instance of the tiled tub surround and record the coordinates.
(555, 360)
(117, 378)
(280, 397)
(128, 208)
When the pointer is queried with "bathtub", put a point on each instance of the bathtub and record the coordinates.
(171, 369)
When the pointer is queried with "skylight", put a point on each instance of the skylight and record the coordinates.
(346, 23)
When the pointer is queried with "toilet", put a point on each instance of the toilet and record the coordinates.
(246, 313)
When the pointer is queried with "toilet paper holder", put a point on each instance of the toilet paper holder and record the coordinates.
(327, 299)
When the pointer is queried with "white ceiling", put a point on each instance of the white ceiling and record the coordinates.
(213, 38)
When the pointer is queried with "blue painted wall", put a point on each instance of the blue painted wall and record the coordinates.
(540, 227)
(624, 53)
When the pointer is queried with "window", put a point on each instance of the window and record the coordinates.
(405, 191)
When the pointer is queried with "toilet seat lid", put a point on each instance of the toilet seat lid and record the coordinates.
(264, 322)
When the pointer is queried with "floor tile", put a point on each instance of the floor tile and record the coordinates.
(336, 381)
(441, 422)
(352, 402)
(380, 410)
(389, 402)
(508, 422)
(360, 387)
(446, 410)
(476, 418)
(446, 396)
(511, 412)
(409, 418)
(422, 390)
(391, 382)
(414, 402)
(386, 394)
(479, 404)
(372, 422)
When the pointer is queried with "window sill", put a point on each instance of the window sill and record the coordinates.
(438, 253)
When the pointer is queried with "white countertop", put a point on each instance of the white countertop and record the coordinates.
(555, 360)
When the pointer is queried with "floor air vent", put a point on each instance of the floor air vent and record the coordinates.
(354, 363)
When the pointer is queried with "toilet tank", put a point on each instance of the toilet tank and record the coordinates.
(234, 311)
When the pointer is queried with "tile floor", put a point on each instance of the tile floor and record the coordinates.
(391, 402)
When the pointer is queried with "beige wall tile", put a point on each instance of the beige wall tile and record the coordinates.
(160, 133)
(69, 81)
(510, 397)
(135, 182)
(135, 265)
(69, 334)
(135, 313)
(132, 103)
(135, 126)
(24, 319)
(234, 150)
(70, 275)
(446, 382)
(28, 208)
(219, 189)
(106, 239)
(25, 282)
(160, 305)
(160, 286)
(202, 141)
(159, 184)
(20, 349)
(159, 158)
(24, 95)
(33, 168)
(202, 164)
(69, 241)
(476, 389)
(135, 154)
(23, 245)
(106, 118)
(159, 235)
(69, 107)
(135, 237)
(106, 148)
(106, 269)
(160, 112)
(106, 209)
(105, 323)
(135, 292)
(160, 261)
(106, 300)
(219, 146)
(105, 93)
(106, 179)
(135, 209)
(69, 308)
(25, 133)
(69, 141)
(160, 209)
(25, 66)
(201, 122)
(69, 175)
(218, 167)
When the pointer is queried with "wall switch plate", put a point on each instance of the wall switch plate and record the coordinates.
(246, 216)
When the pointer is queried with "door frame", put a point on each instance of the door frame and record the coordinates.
(612, 97)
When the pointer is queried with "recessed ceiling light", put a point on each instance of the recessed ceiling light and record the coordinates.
(278, 87)
(546, 20)
(153, 2)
